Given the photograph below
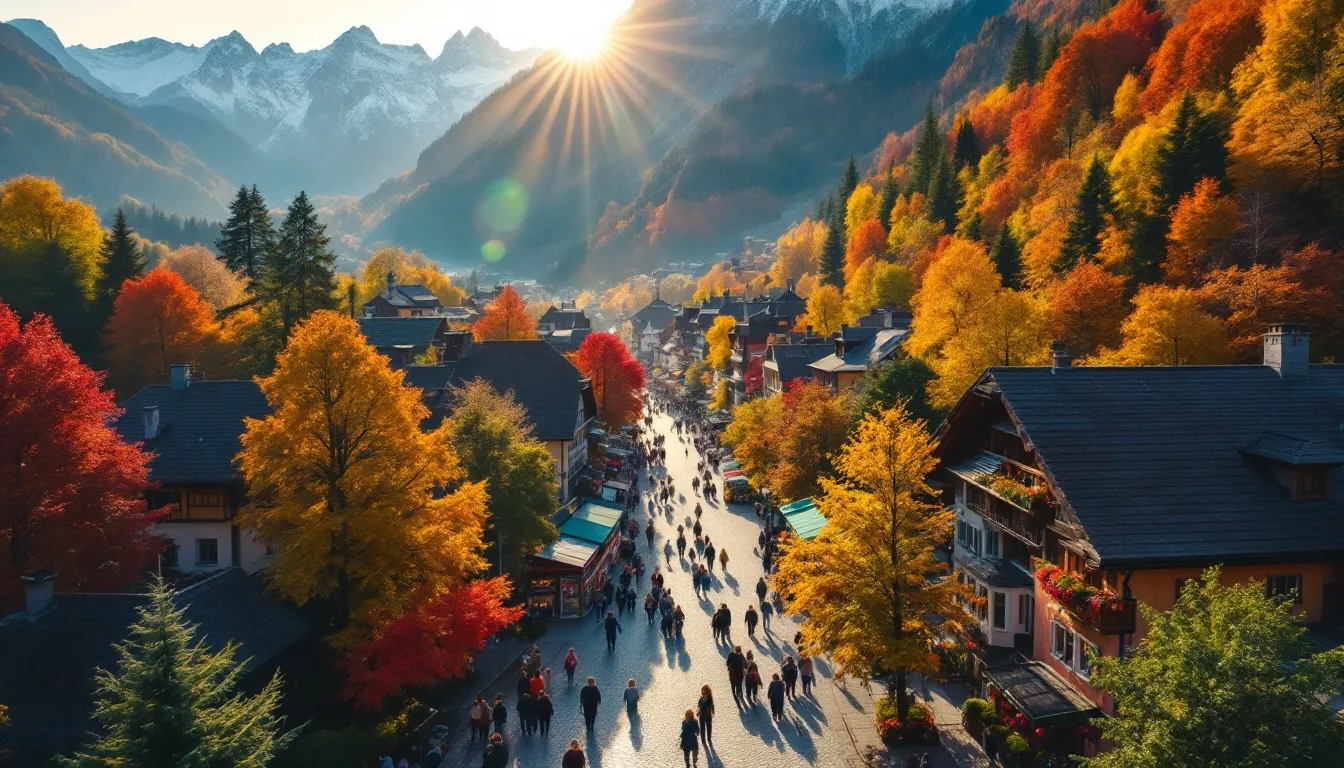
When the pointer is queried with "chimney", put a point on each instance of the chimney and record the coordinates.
(1060, 357)
(150, 413)
(788, 284)
(391, 282)
(39, 590)
(181, 376)
(1288, 349)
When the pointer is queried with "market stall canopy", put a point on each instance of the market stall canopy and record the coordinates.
(593, 522)
(569, 550)
(794, 506)
(804, 518)
(1042, 695)
(735, 473)
(738, 480)
(732, 465)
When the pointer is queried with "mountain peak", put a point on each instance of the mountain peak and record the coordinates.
(278, 49)
(476, 43)
(359, 34)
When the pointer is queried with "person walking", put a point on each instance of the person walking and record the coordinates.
(650, 607)
(767, 610)
(480, 720)
(543, 710)
(681, 542)
(613, 626)
(761, 589)
(753, 679)
(725, 618)
(527, 714)
(723, 559)
(695, 581)
(648, 532)
(589, 698)
(790, 677)
(709, 554)
(690, 733)
(737, 671)
(546, 679)
(537, 684)
(706, 711)
(751, 618)
(776, 695)
(496, 754)
(573, 756)
(500, 715)
(805, 672)
(523, 685)
(631, 697)
(571, 664)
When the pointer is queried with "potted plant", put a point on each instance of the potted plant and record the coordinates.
(975, 714)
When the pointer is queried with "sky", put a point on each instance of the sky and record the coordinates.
(308, 24)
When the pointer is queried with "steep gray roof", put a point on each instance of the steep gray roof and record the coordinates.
(1154, 461)
(658, 313)
(566, 318)
(866, 353)
(793, 360)
(200, 429)
(542, 380)
(385, 332)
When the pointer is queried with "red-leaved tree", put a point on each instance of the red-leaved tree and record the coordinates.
(71, 491)
(430, 644)
(617, 377)
(505, 318)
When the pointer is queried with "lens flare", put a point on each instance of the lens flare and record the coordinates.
(493, 251)
(503, 207)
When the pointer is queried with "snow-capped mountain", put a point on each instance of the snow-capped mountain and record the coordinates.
(339, 119)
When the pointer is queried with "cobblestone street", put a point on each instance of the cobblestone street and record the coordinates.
(815, 731)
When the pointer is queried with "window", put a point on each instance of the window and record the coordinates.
(992, 544)
(1058, 632)
(170, 555)
(207, 551)
(982, 610)
(1068, 649)
(1282, 586)
(968, 536)
(1000, 610)
(1026, 610)
(1086, 650)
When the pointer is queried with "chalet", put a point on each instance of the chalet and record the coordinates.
(658, 314)
(403, 339)
(1127, 482)
(565, 317)
(788, 361)
(856, 350)
(403, 301)
(194, 430)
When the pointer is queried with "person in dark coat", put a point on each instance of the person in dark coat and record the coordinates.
(761, 589)
(573, 756)
(751, 618)
(737, 670)
(725, 619)
(589, 698)
(500, 714)
(543, 710)
(706, 710)
(523, 685)
(526, 714)
(776, 695)
(790, 677)
(496, 754)
(613, 626)
(690, 733)
(753, 678)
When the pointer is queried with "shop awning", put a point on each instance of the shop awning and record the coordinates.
(795, 506)
(806, 521)
(618, 453)
(732, 465)
(569, 550)
(593, 522)
(1038, 692)
(735, 473)
(739, 480)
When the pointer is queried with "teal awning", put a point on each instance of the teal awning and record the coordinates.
(732, 465)
(592, 522)
(796, 506)
(804, 518)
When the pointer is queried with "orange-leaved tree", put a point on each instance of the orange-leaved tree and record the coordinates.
(618, 378)
(157, 321)
(506, 318)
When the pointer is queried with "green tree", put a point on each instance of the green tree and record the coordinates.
(891, 192)
(495, 444)
(901, 381)
(121, 262)
(1094, 206)
(1024, 64)
(928, 148)
(832, 267)
(966, 149)
(1007, 256)
(1054, 43)
(172, 702)
(247, 237)
(301, 273)
(849, 182)
(59, 296)
(1226, 679)
(1196, 148)
(944, 195)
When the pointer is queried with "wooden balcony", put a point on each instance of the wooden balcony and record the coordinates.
(1008, 518)
(1117, 620)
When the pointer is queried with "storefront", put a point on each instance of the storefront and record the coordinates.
(564, 572)
(1054, 719)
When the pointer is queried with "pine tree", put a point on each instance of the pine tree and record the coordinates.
(967, 149)
(944, 195)
(171, 702)
(59, 296)
(1147, 245)
(1195, 149)
(301, 274)
(849, 182)
(832, 267)
(121, 262)
(928, 148)
(1050, 51)
(1007, 255)
(246, 239)
(891, 191)
(1095, 203)
(1024, 65)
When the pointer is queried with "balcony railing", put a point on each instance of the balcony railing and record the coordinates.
(1011, 520)
(1099, 608)
(1116, 619)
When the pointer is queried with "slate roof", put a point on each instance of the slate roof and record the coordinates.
(1152, 459)
(383, 332)
(428, 378)
(792, 360)
(413, 296)
(566, 319)
(47, 666)
(1038, 692)
(542, 380)
(200, 429)
(865, 353)
(1286, 449)
(995, 572)
(568, 340)
(658, 313)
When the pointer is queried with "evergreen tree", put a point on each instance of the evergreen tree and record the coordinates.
(246, 239)
(60, 296)
(891, 191)
(1050, 51)
(121, 262)
(301, 273)
(1195, 149)
(832, 267)
(928, 148)
(1007, 255)
(1095, 203)
(849, 182)
(966, 152)
(1147, 244)
(171, 702)
(1024, 65)
(826, 207)
(944, 195)
(972, 228)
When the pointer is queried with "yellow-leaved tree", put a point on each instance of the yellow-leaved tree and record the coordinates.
(1009, 329)
(367, 514)
(863, 584)
(826, 310)
(955, 288)
(1168, 327)
(719, 345)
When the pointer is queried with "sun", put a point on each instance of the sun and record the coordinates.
(583, 41)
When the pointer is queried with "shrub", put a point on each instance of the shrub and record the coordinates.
(978, 710)
(1017, 744)
(886, 710)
